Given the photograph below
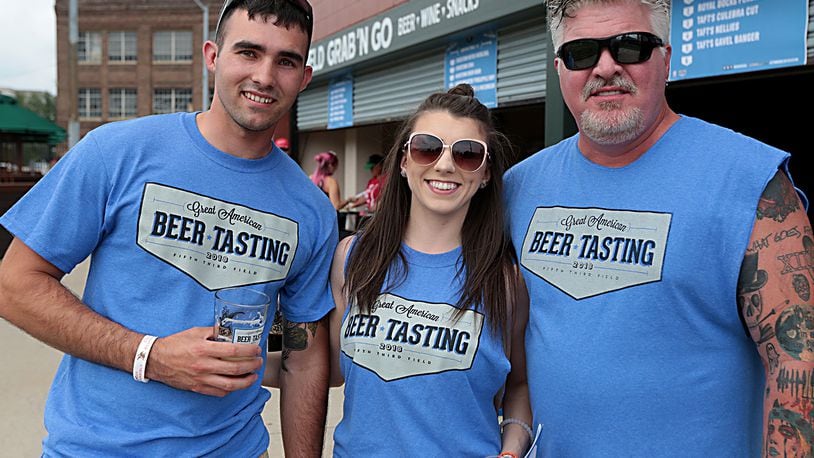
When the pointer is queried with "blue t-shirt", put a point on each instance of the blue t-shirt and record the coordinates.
(418, 383)
(635, 345)
(168, 220)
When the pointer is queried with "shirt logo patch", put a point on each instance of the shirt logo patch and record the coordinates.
(402, 338)
(585, 252)
(219, 244)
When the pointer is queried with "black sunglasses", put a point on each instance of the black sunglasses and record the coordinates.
(425, 149)
(301, 5)
(625, 48)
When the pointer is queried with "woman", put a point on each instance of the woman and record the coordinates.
(430, 317)
(327, 163)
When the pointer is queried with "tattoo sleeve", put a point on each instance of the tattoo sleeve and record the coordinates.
(775, 301)
(296, 338)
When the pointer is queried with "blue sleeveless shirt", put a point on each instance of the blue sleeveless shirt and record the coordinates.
(417, 382)
(634, 344)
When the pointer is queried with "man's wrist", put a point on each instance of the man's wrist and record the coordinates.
(140, 361)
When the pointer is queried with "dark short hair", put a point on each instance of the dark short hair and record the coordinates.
(287, 13)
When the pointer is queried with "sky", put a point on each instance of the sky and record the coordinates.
(28, 60)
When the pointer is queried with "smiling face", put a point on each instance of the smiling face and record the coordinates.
(614, 103)
(259, 71)
(442, 189)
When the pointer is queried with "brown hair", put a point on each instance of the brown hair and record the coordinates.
(287, 13)
(487, 255)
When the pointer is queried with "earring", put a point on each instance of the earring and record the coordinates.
(404, 173)
(483, 184)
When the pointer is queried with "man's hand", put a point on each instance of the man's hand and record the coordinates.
(190, 361)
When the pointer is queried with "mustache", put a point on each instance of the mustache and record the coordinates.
(598, 83)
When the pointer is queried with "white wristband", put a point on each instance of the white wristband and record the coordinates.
(522, 424)
(142, 353)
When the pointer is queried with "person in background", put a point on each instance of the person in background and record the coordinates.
(663, 256)
(431, 312)
(283, 144)
(171, 208)
(327, 163)
(370, 196)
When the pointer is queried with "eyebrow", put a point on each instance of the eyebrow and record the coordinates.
(245, 44)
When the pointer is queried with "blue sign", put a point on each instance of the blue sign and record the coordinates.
(474, 62)
(721, 37)
(340, 102)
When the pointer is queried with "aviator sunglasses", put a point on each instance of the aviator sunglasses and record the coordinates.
(625, 48)
(468, 155)
(301, 5)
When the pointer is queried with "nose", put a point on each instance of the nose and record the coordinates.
(445, 163)
(265, 74)
(607, 65)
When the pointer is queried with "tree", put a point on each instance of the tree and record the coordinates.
(40, 102)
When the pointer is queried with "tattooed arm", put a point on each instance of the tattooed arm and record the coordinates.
(303, 377)
(774, 295)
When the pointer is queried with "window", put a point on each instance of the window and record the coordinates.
(89, 47)
(172, 100)
(122, 103)
(90, 103)
(121, 46)
(172, 46)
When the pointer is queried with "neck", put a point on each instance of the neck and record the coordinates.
(622, 154)
(433, 234)
(224, 134)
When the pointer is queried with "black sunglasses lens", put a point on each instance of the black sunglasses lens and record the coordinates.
(425, 149)
(631, 48)
(627, 48)
(468, 154)
(580, 54)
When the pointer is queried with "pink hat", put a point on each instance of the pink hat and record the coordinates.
(281, 143)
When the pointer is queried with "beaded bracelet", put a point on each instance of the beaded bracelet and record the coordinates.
(523, 424)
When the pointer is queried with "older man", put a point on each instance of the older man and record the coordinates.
(661, 254)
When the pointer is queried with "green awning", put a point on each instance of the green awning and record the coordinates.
(21, 124)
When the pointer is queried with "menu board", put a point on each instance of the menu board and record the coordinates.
(719, 37)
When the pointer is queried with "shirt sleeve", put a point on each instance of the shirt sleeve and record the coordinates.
(62, 217)
(307, 297)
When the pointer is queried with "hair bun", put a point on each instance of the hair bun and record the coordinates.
(462, 89)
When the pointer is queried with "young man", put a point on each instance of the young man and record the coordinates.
(658, 326)
(171, 209)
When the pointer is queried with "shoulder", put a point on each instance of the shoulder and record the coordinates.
(343, 248)
(341, 253)
(153, 123)
(135, 134)
(719, 142)
(533, 165)
(299, 187)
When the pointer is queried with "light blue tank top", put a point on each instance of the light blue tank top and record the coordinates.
(416, 382)
(634, 343)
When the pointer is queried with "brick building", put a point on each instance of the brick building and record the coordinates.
(134, 58)
(142, 57)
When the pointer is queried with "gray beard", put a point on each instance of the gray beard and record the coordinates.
(611, 126)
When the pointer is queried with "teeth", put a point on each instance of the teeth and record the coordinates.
(443, 185)
(611, 93)
(256, 98)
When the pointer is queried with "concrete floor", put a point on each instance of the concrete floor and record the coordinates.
(28, 366)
